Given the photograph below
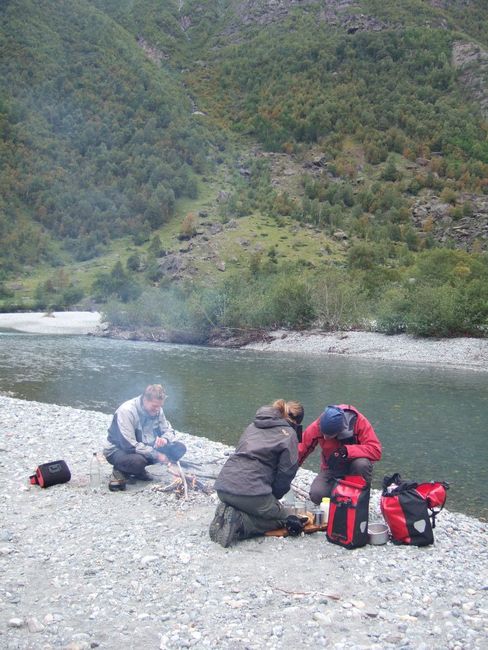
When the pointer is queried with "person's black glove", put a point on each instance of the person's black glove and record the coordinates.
(295, 525)
(337, 457)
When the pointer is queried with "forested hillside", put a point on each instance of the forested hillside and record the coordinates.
(248, 164)
(97, 142)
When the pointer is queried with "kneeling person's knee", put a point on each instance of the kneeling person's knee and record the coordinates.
(362, 467)
(319, 489)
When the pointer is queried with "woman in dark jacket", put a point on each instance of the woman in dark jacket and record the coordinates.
(258, 474)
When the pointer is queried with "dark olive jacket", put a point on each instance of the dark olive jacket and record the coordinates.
(265, 460)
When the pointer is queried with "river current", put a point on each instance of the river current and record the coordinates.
(432, 421)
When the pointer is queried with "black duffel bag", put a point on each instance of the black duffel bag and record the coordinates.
(49, 474)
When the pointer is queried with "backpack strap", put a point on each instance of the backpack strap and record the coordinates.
(433, 514)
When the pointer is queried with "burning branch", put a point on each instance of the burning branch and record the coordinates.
(181, 483)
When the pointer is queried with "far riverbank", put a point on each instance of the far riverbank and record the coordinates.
(467, 353)
(463, 352)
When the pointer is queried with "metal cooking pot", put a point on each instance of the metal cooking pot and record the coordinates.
(377, 533)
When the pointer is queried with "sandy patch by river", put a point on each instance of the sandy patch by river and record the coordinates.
(56, 322)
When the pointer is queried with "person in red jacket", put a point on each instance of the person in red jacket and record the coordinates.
(349, 446)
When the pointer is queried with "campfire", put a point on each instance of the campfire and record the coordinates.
(182, 483)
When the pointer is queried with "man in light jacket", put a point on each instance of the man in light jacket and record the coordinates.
(140, 435)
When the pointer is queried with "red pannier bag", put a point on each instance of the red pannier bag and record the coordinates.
(349, 512)
(410, 509)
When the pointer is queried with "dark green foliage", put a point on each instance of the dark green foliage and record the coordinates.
(134, 262)
(392, 89)
(97, 140)
(116, 284)
(146, 310)
(59, 292)
(446, 294)
(5, 292)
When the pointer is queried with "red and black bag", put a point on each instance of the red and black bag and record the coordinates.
(410, 509)
(349, 512)
(51, 474)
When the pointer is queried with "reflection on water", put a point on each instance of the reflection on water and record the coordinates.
(431, 421)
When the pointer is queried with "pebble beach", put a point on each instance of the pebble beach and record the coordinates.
(83, 567)
(464, 352)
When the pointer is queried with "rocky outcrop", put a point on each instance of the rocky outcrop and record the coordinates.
(340, 13)
(434, 218)
(153, 53)
(471, 60)
(335, 14)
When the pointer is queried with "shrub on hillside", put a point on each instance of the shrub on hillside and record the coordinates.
(338, 301)
(436, 311)
(392, 311)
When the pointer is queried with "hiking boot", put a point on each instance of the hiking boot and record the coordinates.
(117, 481)
(231, 528)
(217, 521)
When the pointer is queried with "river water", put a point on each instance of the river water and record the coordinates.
(432, 421)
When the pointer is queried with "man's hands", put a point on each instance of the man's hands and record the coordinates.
(168, 452)
(159, 444)
(161, 458)
(337, 457)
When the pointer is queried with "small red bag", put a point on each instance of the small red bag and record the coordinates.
(51, 474)
(435, 493)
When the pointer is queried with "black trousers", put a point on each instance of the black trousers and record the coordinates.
(129, 463)
(322, 484)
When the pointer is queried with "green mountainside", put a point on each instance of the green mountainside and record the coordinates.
(243, 164)
(97, 143)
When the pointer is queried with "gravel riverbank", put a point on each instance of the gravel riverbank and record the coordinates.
(464, 352)
(86, 568)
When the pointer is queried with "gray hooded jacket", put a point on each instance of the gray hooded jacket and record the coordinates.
(265, 460)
